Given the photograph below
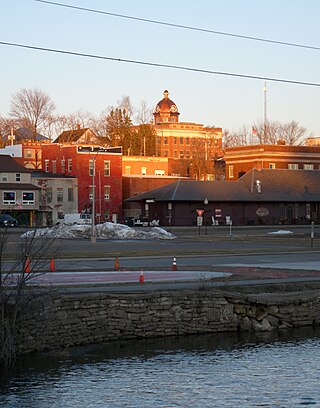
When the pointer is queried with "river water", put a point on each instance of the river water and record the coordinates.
(224, 370)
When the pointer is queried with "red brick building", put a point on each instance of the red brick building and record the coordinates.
(93, 166)
(190, 142)
(239, 160)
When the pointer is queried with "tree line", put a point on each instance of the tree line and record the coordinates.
(120, 125)
(123, 125)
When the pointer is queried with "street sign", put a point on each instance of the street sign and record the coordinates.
(200, 213)
(199, 221)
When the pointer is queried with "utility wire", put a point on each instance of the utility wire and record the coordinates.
(154, 64)
(185, 27)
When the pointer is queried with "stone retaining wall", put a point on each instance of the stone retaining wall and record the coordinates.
(74, 319)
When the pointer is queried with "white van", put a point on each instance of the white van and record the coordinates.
(77, 218)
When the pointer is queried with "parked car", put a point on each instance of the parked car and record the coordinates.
(77, 218)
(7, 221)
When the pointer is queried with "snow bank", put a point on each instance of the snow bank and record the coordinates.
(280, 232)
(108, 230)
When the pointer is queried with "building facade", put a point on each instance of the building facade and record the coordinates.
(192, 143)
(99, 174)
(18, 196)
(58, 196)
(260, 197)
(240, 160)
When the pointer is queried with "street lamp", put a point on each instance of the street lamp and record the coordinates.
(93, 229)
(205, 202)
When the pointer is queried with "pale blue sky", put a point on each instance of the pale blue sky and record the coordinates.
(92, 85)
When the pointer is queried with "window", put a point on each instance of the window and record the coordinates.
(27, 197)
(4, 177)
(308, 167)
(91, 167)
(18, 177)
(127, 170)
(143, 171)
(187, 140)
(159, 172)
(165, 153)
(69, 165)
(59, 195)
(54, 166)
(308, 211)
(272, 165)
(46, 165)
(165, 140)
(181, 140)
(175, 140)
(231, 171)
(187, 154)
(107, 214)
(293, 166)
(63, 166)
(181, 155)
(9, 197)
(49, 195)
(106, 192)
(107, 167)
(175, 154)
(28, 153)
(91, 191)
(70, 194)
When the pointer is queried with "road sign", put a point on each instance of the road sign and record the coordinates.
(199, 221)
(200, 213)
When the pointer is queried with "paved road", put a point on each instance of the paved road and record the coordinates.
(246, 248)
(306, 260)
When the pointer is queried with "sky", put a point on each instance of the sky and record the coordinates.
(78, 83)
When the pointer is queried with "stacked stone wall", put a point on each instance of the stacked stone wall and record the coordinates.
(57, 321)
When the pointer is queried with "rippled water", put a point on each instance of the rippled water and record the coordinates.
(281, 370)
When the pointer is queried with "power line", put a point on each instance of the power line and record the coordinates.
(154, 64)
(182, 26)
(184, 68)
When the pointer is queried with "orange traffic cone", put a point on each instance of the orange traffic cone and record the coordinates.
(116, 264)
(174, 264)
(27, 265)
(141, 278)
(52, 267)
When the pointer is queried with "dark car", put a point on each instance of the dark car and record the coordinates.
(7, 221)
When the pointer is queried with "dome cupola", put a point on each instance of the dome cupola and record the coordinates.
(166, 110)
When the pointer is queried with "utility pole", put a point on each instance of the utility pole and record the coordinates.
(93, 227)
(265, 112)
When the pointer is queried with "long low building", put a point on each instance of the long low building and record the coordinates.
(260, 197)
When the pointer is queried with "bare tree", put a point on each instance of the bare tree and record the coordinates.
(241, 137)
(32, 109)
(273, 132)
(16, 275)
(125, 104)
(293, 133)
(270, 132)
(144, 114)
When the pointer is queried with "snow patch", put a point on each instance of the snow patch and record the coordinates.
(280, 232)
(108, 230)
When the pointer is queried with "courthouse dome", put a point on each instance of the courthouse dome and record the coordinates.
(166, 105)
(166, 110)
